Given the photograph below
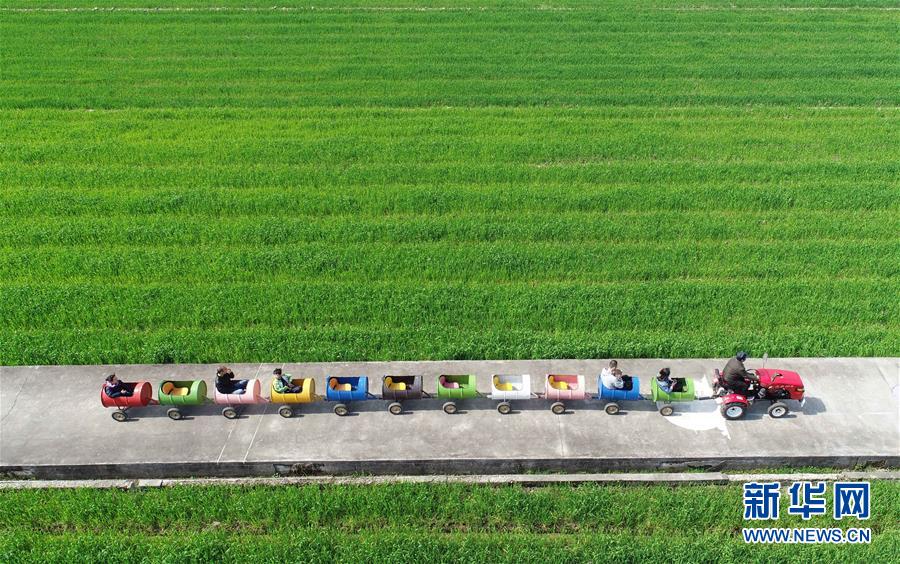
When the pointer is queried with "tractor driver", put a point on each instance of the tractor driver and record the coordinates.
(737, 377)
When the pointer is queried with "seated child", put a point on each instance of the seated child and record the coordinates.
(114, 388)
(283, 384)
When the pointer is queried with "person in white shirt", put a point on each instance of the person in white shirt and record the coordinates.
(611, 376)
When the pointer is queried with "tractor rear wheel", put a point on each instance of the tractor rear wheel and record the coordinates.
(734, 410)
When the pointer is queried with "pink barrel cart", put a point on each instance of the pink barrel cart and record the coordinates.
(231, 402)
(563, 387)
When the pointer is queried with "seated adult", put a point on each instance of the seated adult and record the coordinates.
(115, 388)
(737, 377)
(668, 384)
(226, 384)
(609, 378)
(283, 384)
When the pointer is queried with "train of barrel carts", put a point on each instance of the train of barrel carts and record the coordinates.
(736, 388)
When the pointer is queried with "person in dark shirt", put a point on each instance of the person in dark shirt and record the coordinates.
(737, 377)
(116, 388)
(226, 384)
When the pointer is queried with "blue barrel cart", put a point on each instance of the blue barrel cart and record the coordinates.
(346, 389)
(615, 396)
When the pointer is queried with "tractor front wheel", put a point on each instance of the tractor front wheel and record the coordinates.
(778, 410)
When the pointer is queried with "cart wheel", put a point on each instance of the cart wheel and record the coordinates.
(174, 414)
(558, 408)
(119, 415)
(734, 410)
(286, 411)
(341, 410)
(504, 408)
(778, 410)
(449, 408)
(229, 413)
(395, 408)
(611, 408)
(666, 410)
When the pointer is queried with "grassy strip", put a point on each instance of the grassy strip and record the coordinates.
(601, 56)
(524, 227)
(392, 546)
(544, 264)
(496, 5)
(510, 182)
(411, 523)
(466, 508)
(559, 306)
(408, 341)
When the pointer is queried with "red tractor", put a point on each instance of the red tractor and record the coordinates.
(775, 386)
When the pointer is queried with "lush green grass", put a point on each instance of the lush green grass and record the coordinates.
(629, 179)
(412, 523)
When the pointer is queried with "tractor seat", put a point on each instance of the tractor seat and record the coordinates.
(558, 385)
(335, 385)
(398, 386)
(449, 385)
(503, 386)
(171, 390)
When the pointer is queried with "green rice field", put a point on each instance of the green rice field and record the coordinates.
(416, 523)
(397, 180)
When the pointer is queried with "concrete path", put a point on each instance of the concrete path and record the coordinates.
(851, 417)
